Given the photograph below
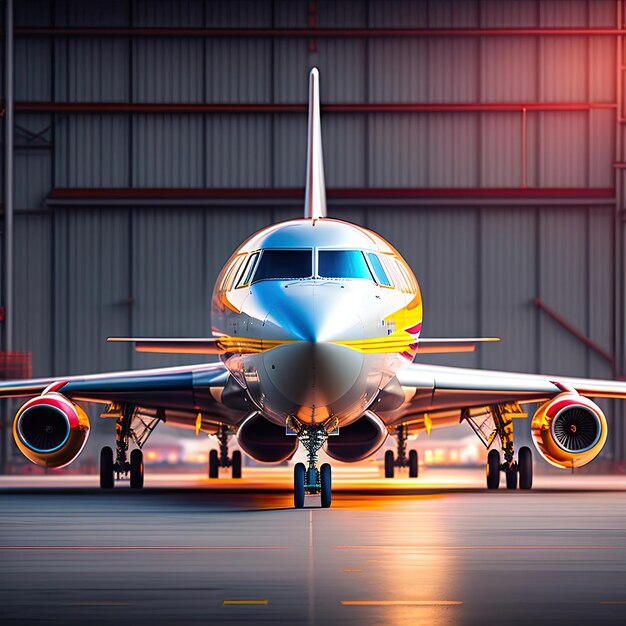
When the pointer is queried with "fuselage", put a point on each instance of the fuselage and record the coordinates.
(315, 317)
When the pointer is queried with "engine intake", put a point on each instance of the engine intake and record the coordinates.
(358, 440)
(51, 430)
(569, 430)
(264, 441)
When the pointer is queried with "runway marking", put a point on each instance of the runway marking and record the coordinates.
(118, 548)
(401, 602)
(310, 529)
(551, 547)
(246, 602)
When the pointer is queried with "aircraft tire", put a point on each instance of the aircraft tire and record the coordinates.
(299, 472)
(326, 483)
(389, 464)
(106, 468)
(493, 469)
(414, 464)
(525, 464)
(236, 464)
(136, 469)
(511, 479)
(214, 464)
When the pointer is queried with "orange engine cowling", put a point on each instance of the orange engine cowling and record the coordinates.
(50, 430)
(569, 430)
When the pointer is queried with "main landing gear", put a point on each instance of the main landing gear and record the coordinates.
(312, 480)
(131, 422)
(521, 470)
(222, 459)
(411, 461)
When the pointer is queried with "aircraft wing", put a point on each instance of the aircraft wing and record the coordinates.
(187, 389)
(443, 392)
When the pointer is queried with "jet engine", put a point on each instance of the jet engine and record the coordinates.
(50, 430)
(358, 440)
(569, 430)
(264, 441)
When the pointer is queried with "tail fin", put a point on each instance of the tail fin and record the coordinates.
(315, 194)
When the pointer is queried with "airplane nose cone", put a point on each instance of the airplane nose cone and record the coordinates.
(313, 376)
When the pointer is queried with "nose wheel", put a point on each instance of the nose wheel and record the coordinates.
(309, 479)
(312, 482)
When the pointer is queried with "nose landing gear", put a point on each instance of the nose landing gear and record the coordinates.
(312, 480)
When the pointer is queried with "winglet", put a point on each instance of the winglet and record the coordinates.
(315, 194)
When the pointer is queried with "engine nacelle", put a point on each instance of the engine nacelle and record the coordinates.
(569, 430)
(358, 440)
(264, 441)
(51, 430)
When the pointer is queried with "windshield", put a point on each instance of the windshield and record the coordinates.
(284, 264)
(343, 264)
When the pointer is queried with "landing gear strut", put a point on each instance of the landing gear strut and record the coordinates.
(222, 459)
(412, 461)
(309, 479)
(521, 470)
(111, 470)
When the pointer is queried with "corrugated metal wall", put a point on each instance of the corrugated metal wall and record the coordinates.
(88, 272)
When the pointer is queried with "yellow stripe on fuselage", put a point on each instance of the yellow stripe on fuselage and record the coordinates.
(399, 340)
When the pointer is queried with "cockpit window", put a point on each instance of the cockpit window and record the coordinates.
(379, 271)
(231, 274)
(284, 265)
(246, 275)
(342, 264)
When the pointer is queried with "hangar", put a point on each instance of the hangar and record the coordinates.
(146, 139)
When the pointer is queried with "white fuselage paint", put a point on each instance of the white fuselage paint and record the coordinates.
(297, 364)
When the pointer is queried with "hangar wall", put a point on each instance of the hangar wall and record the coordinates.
(486, 157)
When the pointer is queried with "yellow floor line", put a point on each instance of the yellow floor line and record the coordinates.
(245, 602)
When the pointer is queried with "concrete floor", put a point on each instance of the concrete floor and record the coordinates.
(70, 554)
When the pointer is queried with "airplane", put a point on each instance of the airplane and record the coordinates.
(317, 323)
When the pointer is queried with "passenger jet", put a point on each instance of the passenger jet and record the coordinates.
(317, 324)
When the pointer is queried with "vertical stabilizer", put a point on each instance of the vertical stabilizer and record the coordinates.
(315, 194)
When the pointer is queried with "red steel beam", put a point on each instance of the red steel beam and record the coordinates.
(308, 33)
(561, 321)
(76, 193)
(380, 107)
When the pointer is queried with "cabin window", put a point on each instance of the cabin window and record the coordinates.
(284, 265)
(408, 283)
(379, 271)
(342, 264)
(248, 270)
